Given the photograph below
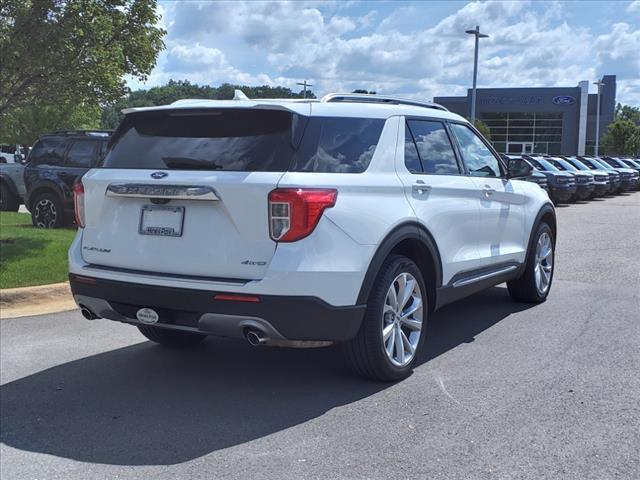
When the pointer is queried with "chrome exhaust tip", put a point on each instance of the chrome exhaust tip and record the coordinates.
(88, 314)
(255, 338)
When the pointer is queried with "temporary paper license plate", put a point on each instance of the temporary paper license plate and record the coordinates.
(161, 220)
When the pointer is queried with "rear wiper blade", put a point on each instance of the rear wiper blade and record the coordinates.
(187, 163)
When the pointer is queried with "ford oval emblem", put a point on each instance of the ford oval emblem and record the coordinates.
(159, 175)
(564, 100)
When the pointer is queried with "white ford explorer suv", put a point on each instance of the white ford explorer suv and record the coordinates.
(303, 223)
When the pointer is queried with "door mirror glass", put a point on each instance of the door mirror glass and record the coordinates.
(519, 168)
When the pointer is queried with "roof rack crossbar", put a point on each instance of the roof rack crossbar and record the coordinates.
(80, 132)
(375, 98)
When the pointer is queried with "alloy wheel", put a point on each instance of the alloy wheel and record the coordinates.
(402, 319)
(544, 263)
(46, 213)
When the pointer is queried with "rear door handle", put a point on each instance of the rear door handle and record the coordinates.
(421, 189)
(488, 191)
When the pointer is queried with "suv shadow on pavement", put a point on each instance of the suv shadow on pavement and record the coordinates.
(144, 405)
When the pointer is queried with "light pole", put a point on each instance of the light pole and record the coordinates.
(600, 84)
(305, 85)
(478, 36)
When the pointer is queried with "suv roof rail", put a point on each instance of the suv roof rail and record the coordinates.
(96, 131)
(375, 98)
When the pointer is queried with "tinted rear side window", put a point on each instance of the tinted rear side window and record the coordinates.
(49, 151)
(342, 145)
(81, 154)
(233, 139)
(434, 147)
(243, 140)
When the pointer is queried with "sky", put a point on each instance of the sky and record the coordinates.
(414, 49)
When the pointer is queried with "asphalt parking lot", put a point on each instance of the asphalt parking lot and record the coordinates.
(503, 391)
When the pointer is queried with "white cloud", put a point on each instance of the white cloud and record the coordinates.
(634, 7)
(343, 47)
(620, 50)
(198, 55)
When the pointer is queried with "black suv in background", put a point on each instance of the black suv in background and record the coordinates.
(631, 163)
(614, 176)
(585, 181)
(535, 177)
(602, 178)
(56, 161)
(629, 175)
(562, 185)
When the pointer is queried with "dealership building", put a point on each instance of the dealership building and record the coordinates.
(540, 120)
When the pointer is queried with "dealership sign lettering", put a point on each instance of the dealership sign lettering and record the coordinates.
(508, 100)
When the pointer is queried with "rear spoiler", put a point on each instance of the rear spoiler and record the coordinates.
(301, 108)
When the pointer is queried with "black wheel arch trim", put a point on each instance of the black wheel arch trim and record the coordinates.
(45, 186)
(405, 231)
(546, 209)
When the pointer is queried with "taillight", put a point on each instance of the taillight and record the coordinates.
(295, 212)
(78, 203)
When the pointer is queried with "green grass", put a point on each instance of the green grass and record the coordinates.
(31, 256)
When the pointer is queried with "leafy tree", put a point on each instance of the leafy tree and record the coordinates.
(61, 52)
(364, 91)
(627, 112)
(180, 89)
(622, 138)
(483, 129)
(26, 124)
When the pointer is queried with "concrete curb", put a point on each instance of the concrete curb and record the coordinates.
(38, 300)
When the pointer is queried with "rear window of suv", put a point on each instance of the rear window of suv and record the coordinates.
(243, 140)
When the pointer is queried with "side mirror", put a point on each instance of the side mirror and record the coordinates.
(519, 168)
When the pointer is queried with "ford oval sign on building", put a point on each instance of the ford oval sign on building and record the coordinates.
(564, 100)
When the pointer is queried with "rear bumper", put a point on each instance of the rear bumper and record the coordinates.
(291, 318)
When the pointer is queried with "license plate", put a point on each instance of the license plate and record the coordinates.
(161, 220)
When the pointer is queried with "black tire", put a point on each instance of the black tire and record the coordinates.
(47, 211)
(365, 353)
(171, 338)
(9, 202)
(524, 289)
